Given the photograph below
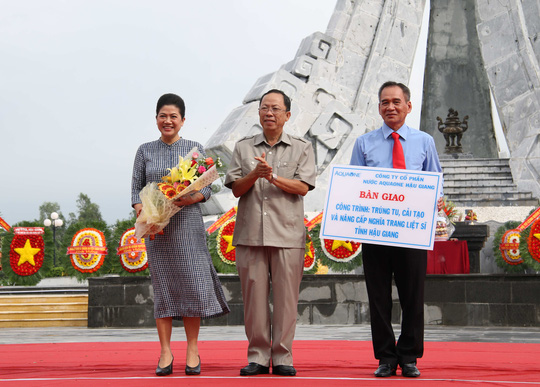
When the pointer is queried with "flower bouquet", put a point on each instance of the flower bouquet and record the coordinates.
(192, 173)
(450, 210)
(444, 227)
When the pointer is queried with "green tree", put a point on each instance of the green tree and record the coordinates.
(88, 211)
(72, 218)
(47, 208)
(45, 211)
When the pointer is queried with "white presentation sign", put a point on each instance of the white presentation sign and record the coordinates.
(394, 207)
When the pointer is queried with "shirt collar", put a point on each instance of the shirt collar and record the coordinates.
(403, 131)
(259, 138)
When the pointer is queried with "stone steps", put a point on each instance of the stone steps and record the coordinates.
(484, 177)
(482, 182)
(490, 191)
(43, 310)
(479, 170)
(505, 183)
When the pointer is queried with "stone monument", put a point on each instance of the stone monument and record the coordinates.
(455, 77)
(509, 32)
(333, 82)
(334, 78)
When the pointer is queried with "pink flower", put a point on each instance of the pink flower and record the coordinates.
(201, 169)
(195, 155)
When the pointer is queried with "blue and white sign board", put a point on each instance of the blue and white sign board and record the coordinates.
(393, 207)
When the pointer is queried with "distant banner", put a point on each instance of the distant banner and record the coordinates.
(131, 248)
(221, 221)
(530, 220)
(4, 224)
(102, 250)
(313, 222)
(393, 207)
(28, 230)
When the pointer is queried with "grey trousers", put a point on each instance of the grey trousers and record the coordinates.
(270, 335)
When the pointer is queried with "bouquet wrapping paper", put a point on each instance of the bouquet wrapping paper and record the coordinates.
(158, 208)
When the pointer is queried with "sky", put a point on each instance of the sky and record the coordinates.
(80, 81)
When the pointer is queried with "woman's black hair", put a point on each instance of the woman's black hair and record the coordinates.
(171, 99)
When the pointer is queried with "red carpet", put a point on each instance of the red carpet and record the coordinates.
(319, 363)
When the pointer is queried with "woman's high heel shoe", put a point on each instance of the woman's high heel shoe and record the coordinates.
(165, 370)
(194, 370)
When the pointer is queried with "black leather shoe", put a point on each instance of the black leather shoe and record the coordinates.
(409, 370)
(194, 370)
(165, 370)
(254, 369)
(385, 370)
(283, 370)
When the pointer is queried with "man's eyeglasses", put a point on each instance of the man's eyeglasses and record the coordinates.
(273, 110)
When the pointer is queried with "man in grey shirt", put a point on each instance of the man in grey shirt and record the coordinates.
(271, 173)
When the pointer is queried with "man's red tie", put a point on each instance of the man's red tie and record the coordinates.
(398, 160)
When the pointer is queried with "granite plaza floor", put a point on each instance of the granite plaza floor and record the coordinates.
(303, 332)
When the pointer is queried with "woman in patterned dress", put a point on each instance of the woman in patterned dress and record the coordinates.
(183, 277)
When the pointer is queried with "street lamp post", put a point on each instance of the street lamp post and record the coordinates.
(55, 222)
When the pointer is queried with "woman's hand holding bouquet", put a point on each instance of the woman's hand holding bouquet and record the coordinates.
(160, 200)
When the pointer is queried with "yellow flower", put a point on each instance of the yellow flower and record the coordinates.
(321, 269)
(174, 174)
(186, 170)
(182, 172)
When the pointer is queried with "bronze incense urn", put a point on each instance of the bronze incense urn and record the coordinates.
(453, 130)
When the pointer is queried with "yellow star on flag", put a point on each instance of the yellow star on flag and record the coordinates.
(337, 244)
(27, 253)
(308, 251)
(228, 239)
